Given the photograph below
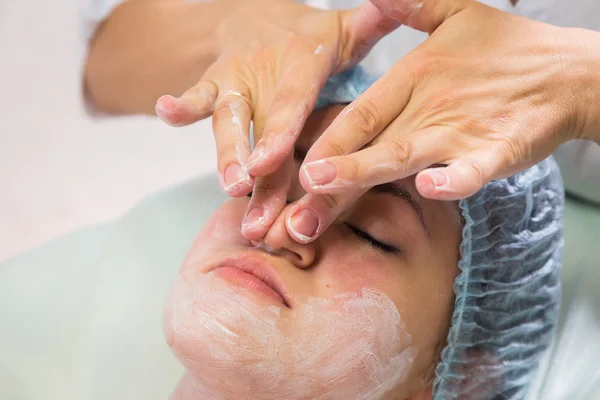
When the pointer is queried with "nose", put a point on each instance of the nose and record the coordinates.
(278, 242)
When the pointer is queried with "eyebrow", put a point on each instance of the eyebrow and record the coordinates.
(403, 194)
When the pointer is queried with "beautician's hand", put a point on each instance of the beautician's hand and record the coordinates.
(274, 57)
(487, 95)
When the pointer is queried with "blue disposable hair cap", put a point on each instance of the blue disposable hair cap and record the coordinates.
(507, 292)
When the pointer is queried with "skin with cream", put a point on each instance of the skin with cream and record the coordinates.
(361, 313)
(242, 146)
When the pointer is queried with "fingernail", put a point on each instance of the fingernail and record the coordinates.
(253, 217)
(303, 224)
(164, 105)
(234, 174)
(439, 179)
(257, 154)
(320, 172)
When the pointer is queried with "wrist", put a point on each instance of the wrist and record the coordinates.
(588, 56)
(593, 130)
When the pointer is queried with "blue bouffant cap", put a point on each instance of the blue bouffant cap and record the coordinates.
(507, 293)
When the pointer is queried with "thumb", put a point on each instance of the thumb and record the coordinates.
(423, 15)
(364, 26)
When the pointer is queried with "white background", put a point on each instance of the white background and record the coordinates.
(60, 170)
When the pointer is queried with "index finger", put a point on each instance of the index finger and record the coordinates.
(367, 116)
(294, 99)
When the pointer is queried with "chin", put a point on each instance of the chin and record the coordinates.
(238, 346)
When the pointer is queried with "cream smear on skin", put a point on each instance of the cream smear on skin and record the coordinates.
(353, 346)
(242, 144)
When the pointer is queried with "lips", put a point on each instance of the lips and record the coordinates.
(254, 273)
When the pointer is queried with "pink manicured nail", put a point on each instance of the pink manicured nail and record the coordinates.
(439, 178)
(258, 154)
(303, 224)
(319, 173)
(234, 175)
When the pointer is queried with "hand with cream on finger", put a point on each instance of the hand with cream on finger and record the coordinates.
(487, 95)
(274, 57)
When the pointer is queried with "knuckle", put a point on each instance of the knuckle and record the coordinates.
(222, 110)
(332, 202)
(334, 146)
(207, 88)
(479, 174)
(400, 150)
(365, 118)
(513, 152)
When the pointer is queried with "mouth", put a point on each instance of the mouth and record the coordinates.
(254, 273)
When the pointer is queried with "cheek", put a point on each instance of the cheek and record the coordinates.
(226, 220)
(350, 346)
(221, 231)
(204, 315)
(350, 270)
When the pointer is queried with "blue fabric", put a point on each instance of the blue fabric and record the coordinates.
(345, 87)
(507, 293)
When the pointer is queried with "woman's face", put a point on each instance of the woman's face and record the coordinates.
(361, 313)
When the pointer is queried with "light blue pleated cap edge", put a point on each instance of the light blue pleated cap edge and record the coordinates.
(507, 293)
(508, 288)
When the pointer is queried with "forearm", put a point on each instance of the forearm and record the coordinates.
(149, 48)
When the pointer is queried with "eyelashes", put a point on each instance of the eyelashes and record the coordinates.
(364, 236)
(371, 241)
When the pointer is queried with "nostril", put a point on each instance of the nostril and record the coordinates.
(301, 261)
(292, 256)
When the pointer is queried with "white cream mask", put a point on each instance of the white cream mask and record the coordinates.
(354, 346)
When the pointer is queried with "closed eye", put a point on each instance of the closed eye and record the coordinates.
(371, 241)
